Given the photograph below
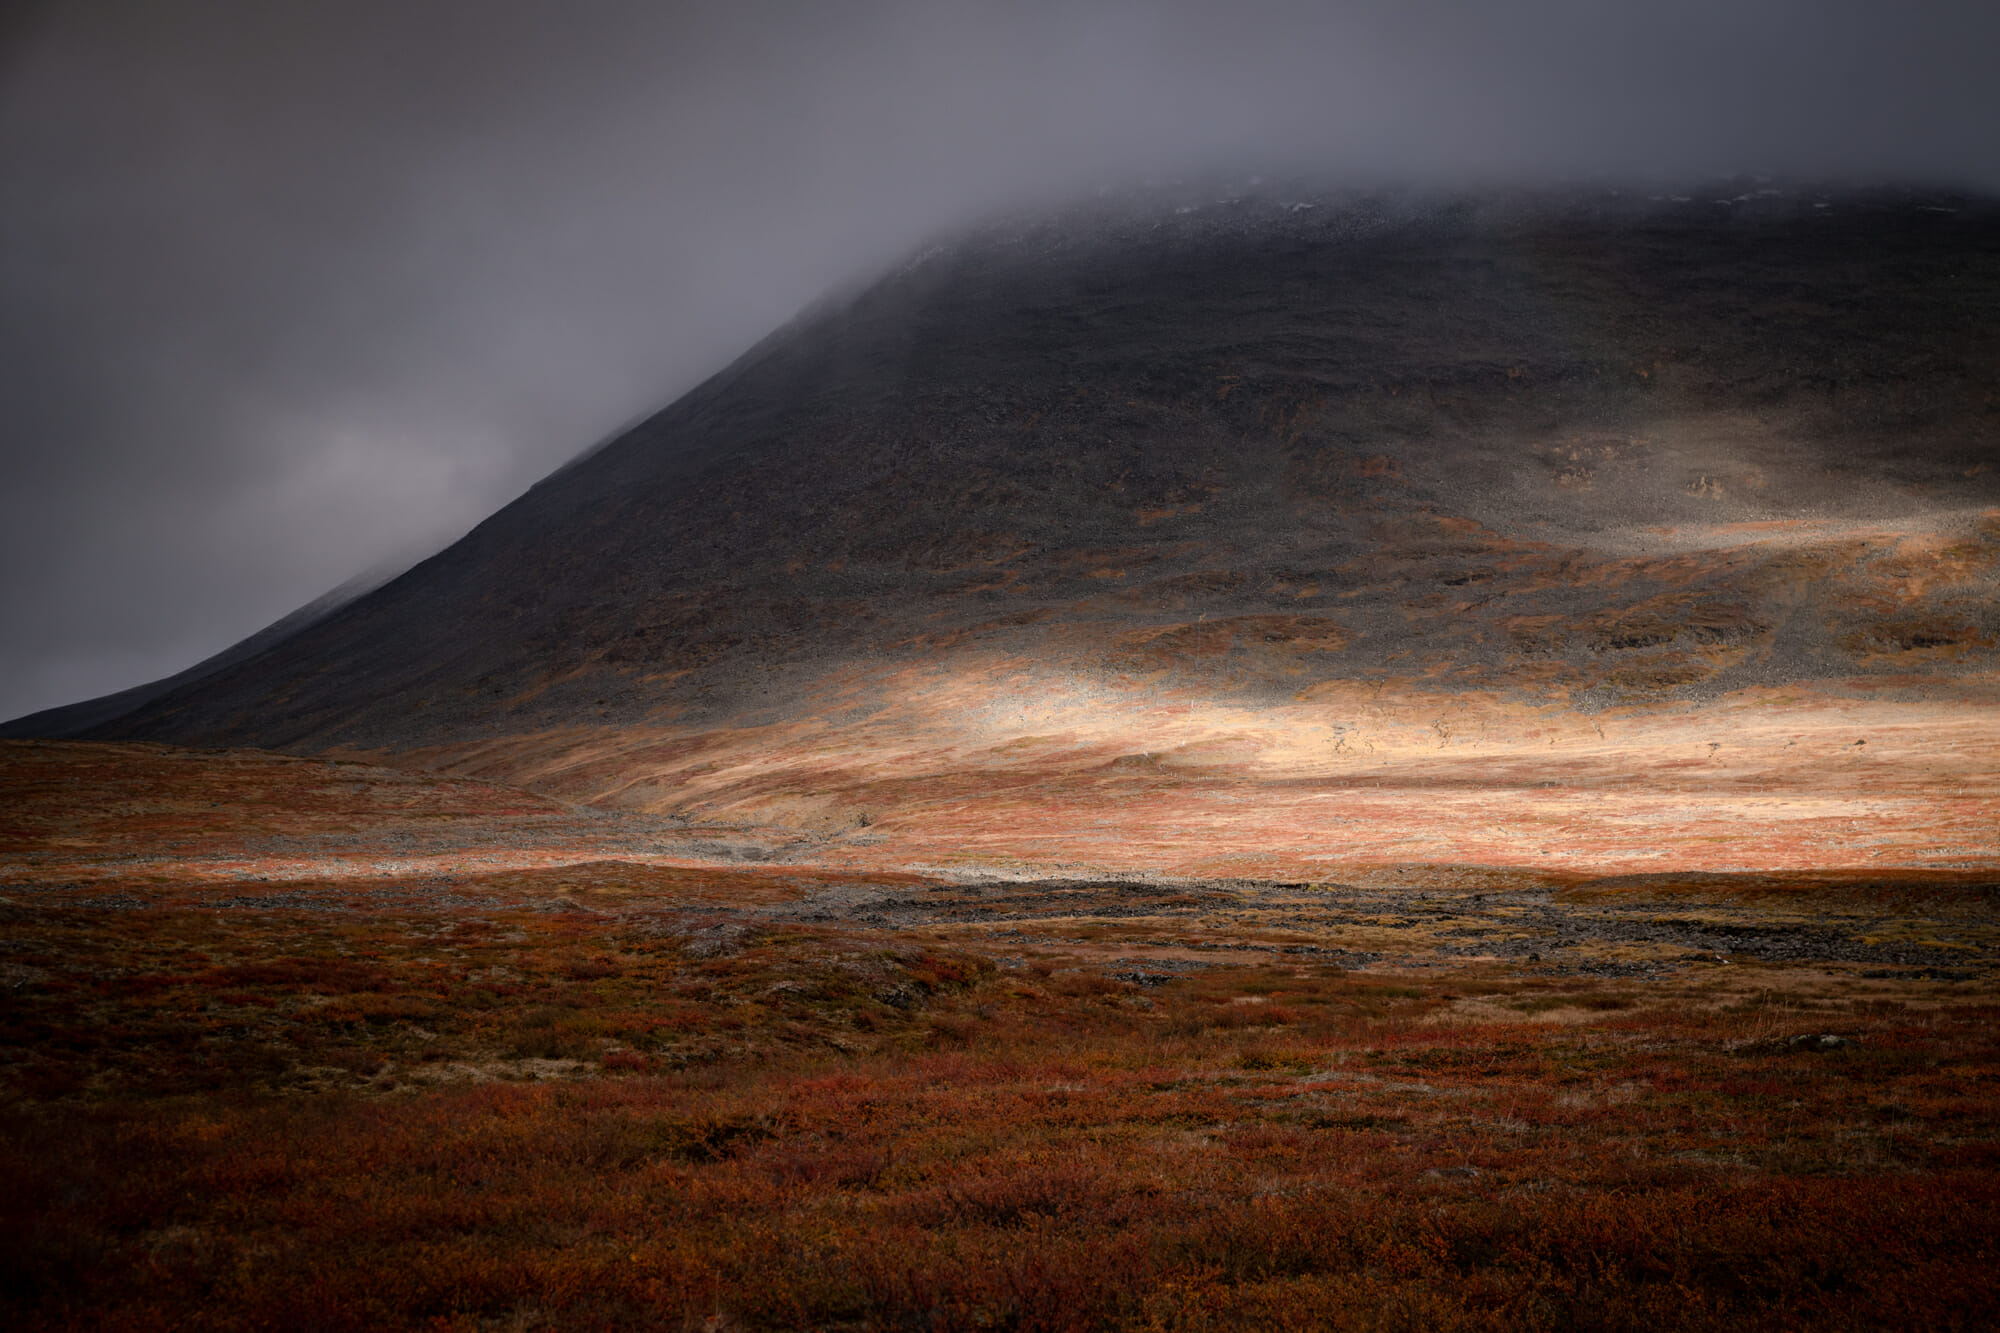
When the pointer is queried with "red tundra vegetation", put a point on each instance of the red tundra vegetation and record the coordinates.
(618, 1093)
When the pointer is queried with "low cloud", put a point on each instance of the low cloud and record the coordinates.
(291, 290)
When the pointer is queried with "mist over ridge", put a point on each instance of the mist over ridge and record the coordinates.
(291, 290)
(1182, 495)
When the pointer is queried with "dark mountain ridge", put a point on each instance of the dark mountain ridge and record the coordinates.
(1573, 451)
(77, 719)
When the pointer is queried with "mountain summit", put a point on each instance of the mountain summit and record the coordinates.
(1263, 533)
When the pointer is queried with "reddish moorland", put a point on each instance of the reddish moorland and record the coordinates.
(601, 1091)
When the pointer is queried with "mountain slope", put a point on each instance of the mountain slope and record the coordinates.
(96, 714)
(1158, 500)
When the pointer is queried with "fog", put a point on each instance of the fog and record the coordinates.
(293, 291)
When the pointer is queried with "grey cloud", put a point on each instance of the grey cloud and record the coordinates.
(293, 289)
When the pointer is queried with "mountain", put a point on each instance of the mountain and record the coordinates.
(77, 719)
(1263, 531)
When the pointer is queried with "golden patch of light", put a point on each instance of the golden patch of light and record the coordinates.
(1932, 529)
(982, 763)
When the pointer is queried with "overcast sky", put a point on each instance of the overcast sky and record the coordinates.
(292, 290)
